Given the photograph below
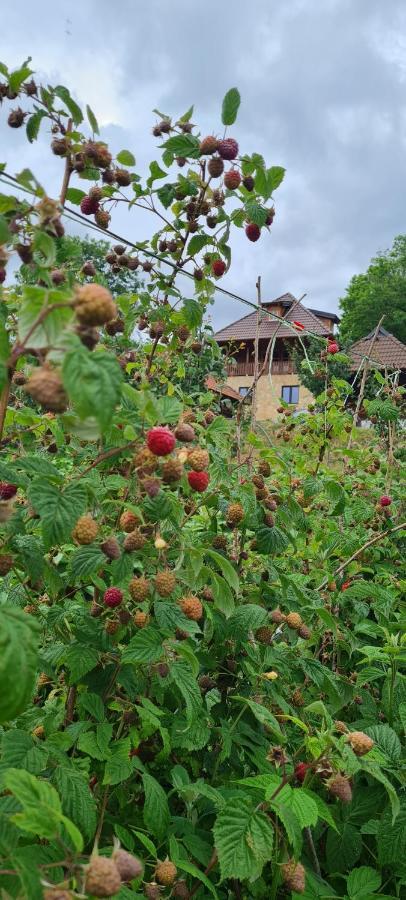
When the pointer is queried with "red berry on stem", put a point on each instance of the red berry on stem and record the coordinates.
(232, 179)
(300, 771)
(332, 347)
(198, 480)
(228, 149)
(88, 206)
(253, 231)
(385, 500)
(218, 268)
(7, 490)
(160, 441)
(112, 597)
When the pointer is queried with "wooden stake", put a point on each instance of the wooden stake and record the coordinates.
(256, 354)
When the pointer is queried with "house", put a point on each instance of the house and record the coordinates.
(387, 353)
(278, 381)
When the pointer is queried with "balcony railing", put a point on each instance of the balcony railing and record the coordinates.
(279, 367)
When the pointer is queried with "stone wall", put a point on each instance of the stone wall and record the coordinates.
(269, 393)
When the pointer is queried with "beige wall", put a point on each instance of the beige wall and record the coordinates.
(269, 393)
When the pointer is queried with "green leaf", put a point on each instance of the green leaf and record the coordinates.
(362, 881)
(186, 683)
(196, 243)
(387, 740)
(5, 235)
(186, 145)
(168, 409)
(125, 158)
(255, 213)
(120, 765)
(227, 570)
(86, 560)
(230, 106)
(33, 124)
(192, 870)
(93, 382)
(263, 716)
(17, 77)
(96, 743)
(59, 509)
(19, 751)
(391, 837)
(156, 810)
(246, 618)
(34, 301)
(187, 115)
(80, 660)
(275, 176)
(75, 110)
(243, 839)
(374, 770)
(343, 849)
(271, 540)
(39, 800)
(222, 596)
(18, 661)
(145, 647)
(74, 195)
(92, 120)
(156, 172)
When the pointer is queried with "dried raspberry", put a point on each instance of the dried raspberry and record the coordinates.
(172, 471)
(139, 588)
(180, 889)
(59, 147)
(129, 866)
(188, 416)
(228, 149)
(111, 626)
(141, 618)
(340, 787)
(385, 500)
(198, 481)
(215, 167)
(196, 346)
(191, 607)
(235, 514)
(160, 441)
(253, 231)
(151, 486)
(297, 698)
(277, 616)
(128, 521)
(264, 468)
(218, 268)
(232, 179)
(95, 610)
(102, 877)
(340, 726)
(166, 872)
(122, 177)
(7, 490)
(88, 268)
(45, 386)
(264, 634)
(183, 332)
(111, 548)
(94, 304)
(208, 145)
(6, 563)
(102, 218)
(248, 183)
(220, 542)
(145, 461)
(85, 530)
(152, 890)
(270, 216)
(184, 433)
(135, 540)
(198, 459)
(294, 876)
(156, 329)
(16, 118)
(89, 206)
(165, 583)
(112, 597)
(360, 742)
(304, 632)
(300, 771)
(293, 620)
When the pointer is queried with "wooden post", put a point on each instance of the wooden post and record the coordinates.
(363, 379)
(256, 346)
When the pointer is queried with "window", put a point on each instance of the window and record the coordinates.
(243, 391)
(290, 393)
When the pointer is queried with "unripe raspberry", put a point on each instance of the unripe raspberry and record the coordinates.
(180, 889)
(188, 416)
(253, 231)
(141, 618)
(112, 597)
(95, 610)
(219, 542)
(7, 490)
(340, 727)
(102, 218)
(45, 386)
(96, 193)
(208, 145)
(264, 468)
(207, 594)
(122, 177)
(165, 873)
(198, 481)
(111, 548)
(111, 626)
(59, 147)
(172, 471)
(157, 329)
(269, 520)
(16, 118)
(340, 787)
(235, 514)
(277, 616)
(184, 433)
(198, 459)
(294, 876)
(129, 866)
(232, 179)
(128, 521)
(152, 890)
(215, 167)
(293, 620)
(57, 893)
(165, 583)
(228, 148)
(264, 634)
(360, 742)
(38, 732)
(160, 441)
(89, 206)
(139, 588)
(85, 530)
(102, 877)
(191, 607)
(145, 461)
(88, 268)
(183, 332)
(297, 698)
(6, 563)
(94, 304)
(248, 183)
(209, 417)
(304, 632)
(135, 540)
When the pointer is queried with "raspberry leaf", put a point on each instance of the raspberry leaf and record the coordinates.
(230, 107)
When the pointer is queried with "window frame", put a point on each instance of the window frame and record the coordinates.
(290, 388)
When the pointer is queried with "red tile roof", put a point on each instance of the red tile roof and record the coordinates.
(245, 328)
(387, 351)
(224, 389)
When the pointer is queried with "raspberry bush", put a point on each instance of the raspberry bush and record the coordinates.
(201, 682)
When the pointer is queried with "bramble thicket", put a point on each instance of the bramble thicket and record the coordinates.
(202, 687)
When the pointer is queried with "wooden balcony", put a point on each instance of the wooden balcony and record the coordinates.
(279, 367)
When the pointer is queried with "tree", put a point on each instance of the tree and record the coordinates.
(312, 370)
(380, 291)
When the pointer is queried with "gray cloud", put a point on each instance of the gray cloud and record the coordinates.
(323, 88)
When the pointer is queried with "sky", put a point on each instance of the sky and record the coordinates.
(323, 87)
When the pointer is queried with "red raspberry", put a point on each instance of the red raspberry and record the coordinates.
(7, 490)
(232, 179)
(218, 268)
(253, 231)
(198, 480)
(332, 347)
(88, 206)
(112, 597)
(385, 500)
(160, 441)
(300, 771)
(345, 585)
(228, 149)
(2, 275)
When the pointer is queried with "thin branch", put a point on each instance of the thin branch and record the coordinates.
(374, 540)
(313, 853)
(208, 869)
(68, 169)
(364, 378)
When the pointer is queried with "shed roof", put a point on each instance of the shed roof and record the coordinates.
(224, 389)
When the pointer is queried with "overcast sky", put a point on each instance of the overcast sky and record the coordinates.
(323, 93)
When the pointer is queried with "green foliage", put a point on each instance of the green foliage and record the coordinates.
(380, 291)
